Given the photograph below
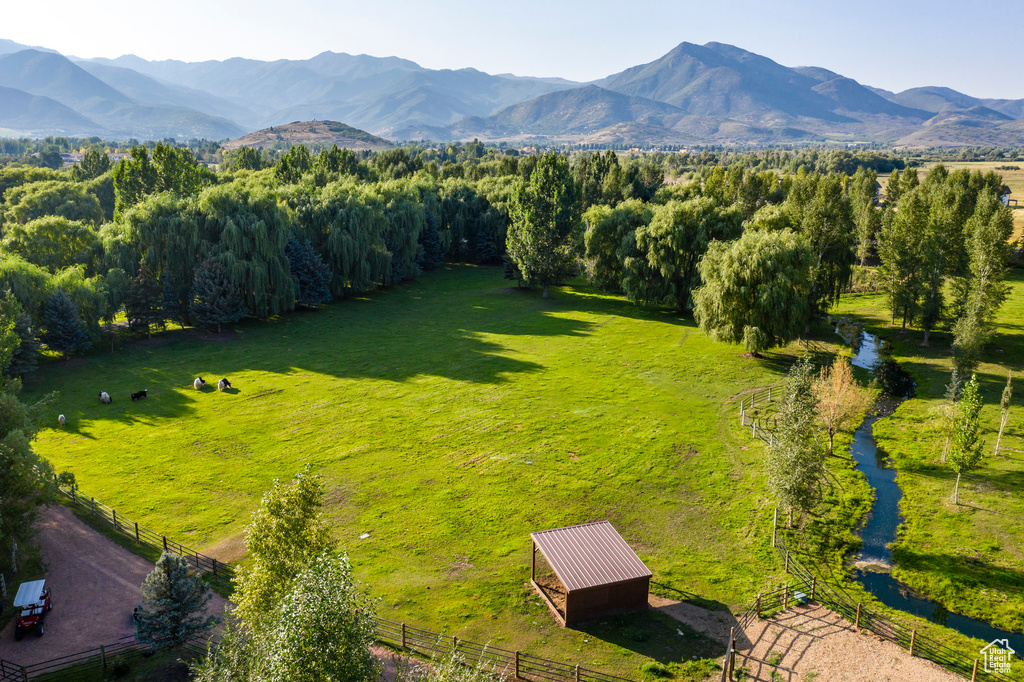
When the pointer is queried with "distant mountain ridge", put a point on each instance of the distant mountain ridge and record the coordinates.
(694, 94)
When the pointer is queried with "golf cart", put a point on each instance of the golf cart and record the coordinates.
(33, 600)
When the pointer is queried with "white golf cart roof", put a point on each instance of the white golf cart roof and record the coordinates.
(28, 593)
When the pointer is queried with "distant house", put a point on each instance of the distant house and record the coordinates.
(1005, 197)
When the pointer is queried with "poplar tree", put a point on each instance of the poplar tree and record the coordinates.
(966, 453)
(795, 462)
(215, 300)
(544, 215)
(65, 331)
(899, 248)
(1004, 409)
(866, 218)
(173, 603)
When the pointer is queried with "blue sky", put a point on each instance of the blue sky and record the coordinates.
(975, 46)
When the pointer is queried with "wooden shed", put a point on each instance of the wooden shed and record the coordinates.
(595, 572)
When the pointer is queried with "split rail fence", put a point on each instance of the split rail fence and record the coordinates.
(807, 587)
(100, 657)
(217, 572)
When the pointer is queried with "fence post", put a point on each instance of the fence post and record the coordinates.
(214, 567)
(913, 639)
(759, 605)
(403, 635)
(137, 532)
(455, 644)
(753, 427)
(775, 525)
(771, 439)
(785, 597)
(743, 416)
(752, 396)
(787, 561)
(577, 673)
(24, 674)
(814, 584)
(974, 675)
(517, 665)
(732, 652)
(769, 394)
(93, 505)
(103, 656)
(857, 623)
(114, 511)
(74, 495)
(165, 543)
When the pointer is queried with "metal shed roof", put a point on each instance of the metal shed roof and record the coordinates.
(589, 555)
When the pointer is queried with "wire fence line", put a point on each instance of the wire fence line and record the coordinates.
(805, 586)
(100, 657)
(761, 426)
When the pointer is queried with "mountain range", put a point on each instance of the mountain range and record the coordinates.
(695, 94)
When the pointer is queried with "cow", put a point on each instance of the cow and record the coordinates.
(198, 383)
(140, 395)
(223, 385)
(62, 420)
(105, 398)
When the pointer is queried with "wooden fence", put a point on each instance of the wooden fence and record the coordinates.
(808, 587)
(75, 664)
(217, 572)
(503, 663)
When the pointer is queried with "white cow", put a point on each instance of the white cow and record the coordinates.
(105, 398)
(198, 383)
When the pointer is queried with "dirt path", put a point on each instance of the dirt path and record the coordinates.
(808, 642)
(95, 583)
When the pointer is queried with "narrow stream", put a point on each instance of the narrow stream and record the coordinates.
(874, 562)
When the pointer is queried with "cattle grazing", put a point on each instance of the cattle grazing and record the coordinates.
(223, 385)
(140, 395)
(62, 420)
(198, 383)
(105, 398)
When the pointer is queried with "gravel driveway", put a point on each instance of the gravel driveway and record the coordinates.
(95, 584)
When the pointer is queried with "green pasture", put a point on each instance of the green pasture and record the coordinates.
(449, 418)
(969, 557)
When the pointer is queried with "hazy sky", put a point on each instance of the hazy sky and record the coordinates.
(974, 46)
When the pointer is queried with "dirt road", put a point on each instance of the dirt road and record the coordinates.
(95, 584)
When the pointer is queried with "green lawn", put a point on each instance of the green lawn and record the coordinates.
(969, 557)
(449, 417)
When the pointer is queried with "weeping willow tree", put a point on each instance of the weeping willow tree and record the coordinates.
(248, 233)
(404, 219)
(31, 285)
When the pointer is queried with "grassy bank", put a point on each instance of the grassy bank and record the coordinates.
(970, 557)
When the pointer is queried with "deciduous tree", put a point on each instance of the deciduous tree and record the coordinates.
(966, 453)
(840, 401)
(1004, 409)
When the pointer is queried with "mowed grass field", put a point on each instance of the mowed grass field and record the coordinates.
(970, 557)
(449, 418)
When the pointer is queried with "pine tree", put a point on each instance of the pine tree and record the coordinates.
(431, 253)
(215, 300)
(65, 331)
(25, 358)
(144, 303)
(310, 272)
(171, 612)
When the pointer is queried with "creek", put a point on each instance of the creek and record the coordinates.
(874, 562)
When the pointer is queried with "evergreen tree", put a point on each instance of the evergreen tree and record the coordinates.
(65, 331)
(171, 612)
(311, 274)
(431, 253)
(215, 300)
(172, 307)
(144, 302)
(10, 311)
(25, 357)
